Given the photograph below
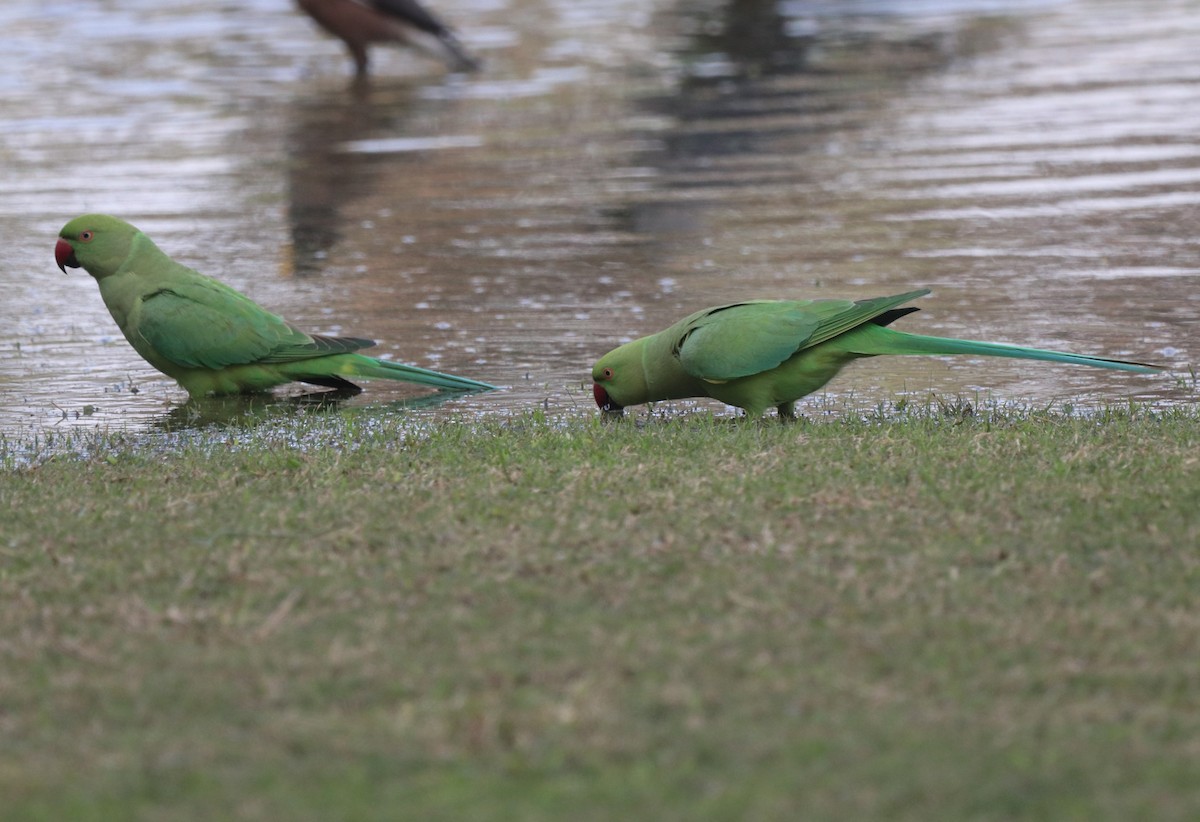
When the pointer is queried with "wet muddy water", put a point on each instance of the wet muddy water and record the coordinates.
(616, 165)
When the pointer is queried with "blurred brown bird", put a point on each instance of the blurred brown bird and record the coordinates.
(360, 24)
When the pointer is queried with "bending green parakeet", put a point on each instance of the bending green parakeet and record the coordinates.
(210, 338)
(767, 353)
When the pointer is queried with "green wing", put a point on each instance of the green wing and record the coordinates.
(206, 324)
(741, 339)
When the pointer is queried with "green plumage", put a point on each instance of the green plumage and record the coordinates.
(766, 353)
(207, 336)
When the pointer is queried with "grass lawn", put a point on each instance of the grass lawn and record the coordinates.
(922, 614)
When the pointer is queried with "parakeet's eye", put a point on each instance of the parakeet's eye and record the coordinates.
(86, 236)
(606, 374)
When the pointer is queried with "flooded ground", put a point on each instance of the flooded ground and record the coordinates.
(616, 165)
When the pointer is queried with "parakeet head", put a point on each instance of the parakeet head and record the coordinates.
(97, 242)
(619, 378)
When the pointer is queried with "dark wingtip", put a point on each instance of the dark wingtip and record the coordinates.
(891, 315)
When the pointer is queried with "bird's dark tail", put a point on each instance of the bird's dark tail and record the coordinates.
(441, 44)
(456, 55)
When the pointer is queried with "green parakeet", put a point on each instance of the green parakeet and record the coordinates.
(207, 336)
(765, 353)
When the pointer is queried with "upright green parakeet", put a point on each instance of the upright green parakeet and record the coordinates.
(765, 353)
(207, 336)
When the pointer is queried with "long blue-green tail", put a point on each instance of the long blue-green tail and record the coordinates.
(873, 339)
(386, 369)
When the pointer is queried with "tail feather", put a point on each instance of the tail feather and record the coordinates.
(874, 339)
(364, 366)
(458, 58)
(443, 45)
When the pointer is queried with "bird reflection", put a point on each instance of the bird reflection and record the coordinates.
(754, 35)
(323, 176)
(253, 410)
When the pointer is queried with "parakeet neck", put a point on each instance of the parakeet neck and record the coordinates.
(146, 269)
(665, 377)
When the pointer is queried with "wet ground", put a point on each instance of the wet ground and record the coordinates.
(616, 165)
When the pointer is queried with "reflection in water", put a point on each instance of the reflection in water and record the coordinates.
(763, 117)
(245, 411)
(751, 35)
(321, 174)
(617, 166)
(252, 410)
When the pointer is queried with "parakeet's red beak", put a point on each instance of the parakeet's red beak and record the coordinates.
(64, 255)
(603, 401)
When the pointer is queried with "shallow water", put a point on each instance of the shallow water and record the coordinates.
(616, 165)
